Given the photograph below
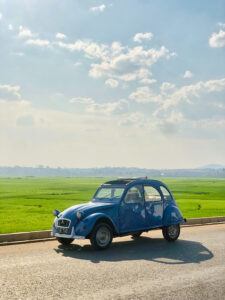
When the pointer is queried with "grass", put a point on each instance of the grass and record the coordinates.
(26, 204)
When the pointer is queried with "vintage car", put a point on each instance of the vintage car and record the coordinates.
(120, 207)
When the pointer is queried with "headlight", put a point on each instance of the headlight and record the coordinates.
(79, 215)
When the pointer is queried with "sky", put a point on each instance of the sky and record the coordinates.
(132, 83)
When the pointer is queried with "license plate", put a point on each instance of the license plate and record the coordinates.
(63, 230)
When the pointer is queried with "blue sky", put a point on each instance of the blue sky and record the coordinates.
(112, 83)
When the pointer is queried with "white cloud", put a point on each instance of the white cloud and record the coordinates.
(106, 108)
(25, 32)
(216, 85)
(175, 117)
(38, 42)
(139, 74)
(82, 100)
(130, 64)
(92, 50)
(116, 48)
(60, 36)
(142, 36)
(167, 87)
(18, 54)
(117, 61)
(99, 8)
(169, 124)
(10, 110)
(220, 24)
(136, 119)
(77, 64)
(33, 130)
(22, 113)
(10, 89)
(148, 81)
(188, 74)
(0, 16)
(112, 83)
(10, 27)
(189, 92)
(75, 132)
(144, 94)
(185, 109)
(217, 39)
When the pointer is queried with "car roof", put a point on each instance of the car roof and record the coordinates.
(120, 181)
(132, 181)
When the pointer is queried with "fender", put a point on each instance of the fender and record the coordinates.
(85, 226)
(172, 216)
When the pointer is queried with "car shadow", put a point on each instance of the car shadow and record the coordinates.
(144, 248)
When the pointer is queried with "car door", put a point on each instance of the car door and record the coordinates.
(132, 210)
(154, 206)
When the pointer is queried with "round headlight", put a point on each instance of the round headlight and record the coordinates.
(79, 215)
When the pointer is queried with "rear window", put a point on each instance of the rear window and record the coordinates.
(166, 194)
(151, 194)
(134, 195)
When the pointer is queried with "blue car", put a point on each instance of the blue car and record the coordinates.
(120, 207)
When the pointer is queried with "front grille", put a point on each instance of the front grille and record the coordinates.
(63, 223)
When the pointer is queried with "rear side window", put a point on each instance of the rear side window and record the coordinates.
(133, 195)
(166, 194)
(151, 194)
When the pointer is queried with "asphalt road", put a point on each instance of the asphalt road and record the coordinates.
(148, 268)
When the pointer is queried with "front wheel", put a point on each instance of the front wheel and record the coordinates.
(171, 233)
(101, 236)
(64, 241)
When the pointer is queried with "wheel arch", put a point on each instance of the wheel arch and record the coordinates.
(172, 216)
(104, 219)
(86, 226)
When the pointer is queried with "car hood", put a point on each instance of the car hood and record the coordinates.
(87, 209)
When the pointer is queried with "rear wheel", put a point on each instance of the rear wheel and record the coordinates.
(64, 241)
(136, 235)
(101, 236)
(171, 233)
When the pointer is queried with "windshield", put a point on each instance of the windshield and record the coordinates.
(108, 193)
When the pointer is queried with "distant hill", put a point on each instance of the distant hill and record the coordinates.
(42, 171)
(213, 166)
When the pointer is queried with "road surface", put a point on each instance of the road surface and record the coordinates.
(148, 268)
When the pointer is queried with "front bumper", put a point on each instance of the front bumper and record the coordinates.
(72, 235)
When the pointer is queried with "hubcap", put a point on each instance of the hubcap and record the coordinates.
(103, 236)
(173, 231)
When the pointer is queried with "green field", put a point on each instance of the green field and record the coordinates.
(26, 204)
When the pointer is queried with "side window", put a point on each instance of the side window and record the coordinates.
(134, 195)
(166, 193)
(151, 194)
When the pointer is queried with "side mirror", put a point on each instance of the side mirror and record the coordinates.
(56, 212)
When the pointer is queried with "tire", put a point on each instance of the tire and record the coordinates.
(171, 233)
(101, 236)
(136, 235)
(64, 241)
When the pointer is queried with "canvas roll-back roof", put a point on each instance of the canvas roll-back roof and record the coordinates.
(129, 181)
(121, 181)
(124, 181)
